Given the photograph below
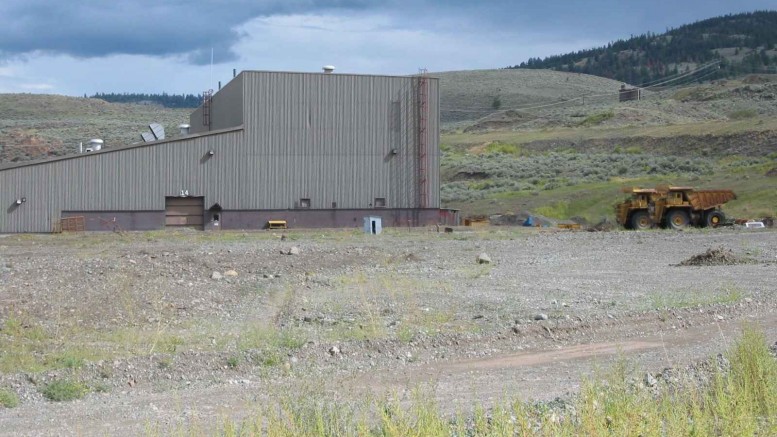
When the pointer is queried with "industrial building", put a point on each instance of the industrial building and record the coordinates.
(307, 149)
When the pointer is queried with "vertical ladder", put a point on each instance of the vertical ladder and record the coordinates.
(206, 98)
(423, 128)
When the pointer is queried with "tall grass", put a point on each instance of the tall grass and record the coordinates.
(735, 396)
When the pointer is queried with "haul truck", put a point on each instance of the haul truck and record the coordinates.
(672, 207)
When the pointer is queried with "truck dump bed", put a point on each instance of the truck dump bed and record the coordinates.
(706, 199)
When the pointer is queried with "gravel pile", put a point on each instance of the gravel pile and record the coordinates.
(714, 257)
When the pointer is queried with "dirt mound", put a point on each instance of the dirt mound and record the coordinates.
(713, 257)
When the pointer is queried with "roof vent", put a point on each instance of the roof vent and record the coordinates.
(328, 69)
(95, 144)
(184, 129)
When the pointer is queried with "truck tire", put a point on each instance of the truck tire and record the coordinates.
(677, 219)
(641, 221)
(714, 218)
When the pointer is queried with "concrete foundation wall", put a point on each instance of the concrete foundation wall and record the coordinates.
(331, 218)
(120, 220)
(231, 220)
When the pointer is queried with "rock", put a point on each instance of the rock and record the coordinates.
(293, 251)
(230, 273)
(541, 316)
(216, 275)
(516, 330)
(483, 258)
(649, 380)
(334, 351)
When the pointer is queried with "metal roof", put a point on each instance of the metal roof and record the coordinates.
(8, 166)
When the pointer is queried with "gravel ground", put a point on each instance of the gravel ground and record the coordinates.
(186, 329)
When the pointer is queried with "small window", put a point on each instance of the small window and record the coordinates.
(380, 202)
(304, 203)
(334, 205)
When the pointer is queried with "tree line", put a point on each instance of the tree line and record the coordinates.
(749, 38)
(164, 99)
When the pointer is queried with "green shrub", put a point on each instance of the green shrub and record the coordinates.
(593, 120)
(64, 390)
(743, 114)
(233, 361)
(8, 399)
(504, 148)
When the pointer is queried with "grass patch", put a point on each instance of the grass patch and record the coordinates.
(8, 399)
(743, 114)
(270, 338)
(557, 210)
(503, 148)
(695, 298)
(595, 119)
(740, 399)
(64, 390)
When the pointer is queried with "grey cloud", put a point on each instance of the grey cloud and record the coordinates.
(95, 28)
(190, 29)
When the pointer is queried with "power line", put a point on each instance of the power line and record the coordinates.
(587, 96)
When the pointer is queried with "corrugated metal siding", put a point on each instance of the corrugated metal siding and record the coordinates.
(226, 110)
(136, 179)
(328, 137)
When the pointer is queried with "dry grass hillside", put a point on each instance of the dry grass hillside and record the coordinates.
(469, 95)
(35, 126)
(566, 148)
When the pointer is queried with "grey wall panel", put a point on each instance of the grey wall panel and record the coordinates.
(329, 138)
(133, 179)
(226, 109)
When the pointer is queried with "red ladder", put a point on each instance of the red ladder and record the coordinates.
(206, 98)
(423, 127)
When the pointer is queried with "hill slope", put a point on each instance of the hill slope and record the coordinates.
(742, 43)
(34, 126)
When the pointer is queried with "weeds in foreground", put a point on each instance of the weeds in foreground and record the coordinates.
(694, 298)
(64, 390)
(8, 399)
(738, 399)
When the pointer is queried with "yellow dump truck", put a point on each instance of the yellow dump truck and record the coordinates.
(672, 207)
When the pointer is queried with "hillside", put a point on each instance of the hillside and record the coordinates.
(741, 43)
(569, 160)
(34, 126)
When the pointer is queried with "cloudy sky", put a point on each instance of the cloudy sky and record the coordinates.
(87, 46)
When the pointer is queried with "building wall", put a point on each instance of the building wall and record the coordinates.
(226, 109)
(132, 179)
(327, 138)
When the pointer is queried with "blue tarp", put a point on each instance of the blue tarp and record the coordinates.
(529, 221)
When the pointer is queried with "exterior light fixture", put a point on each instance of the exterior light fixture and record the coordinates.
(211, 152)
(18, 201)
(394, 151)
(24, 199)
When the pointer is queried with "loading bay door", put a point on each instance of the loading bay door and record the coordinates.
(184, 212)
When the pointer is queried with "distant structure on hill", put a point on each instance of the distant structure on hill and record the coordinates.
(627, 94)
